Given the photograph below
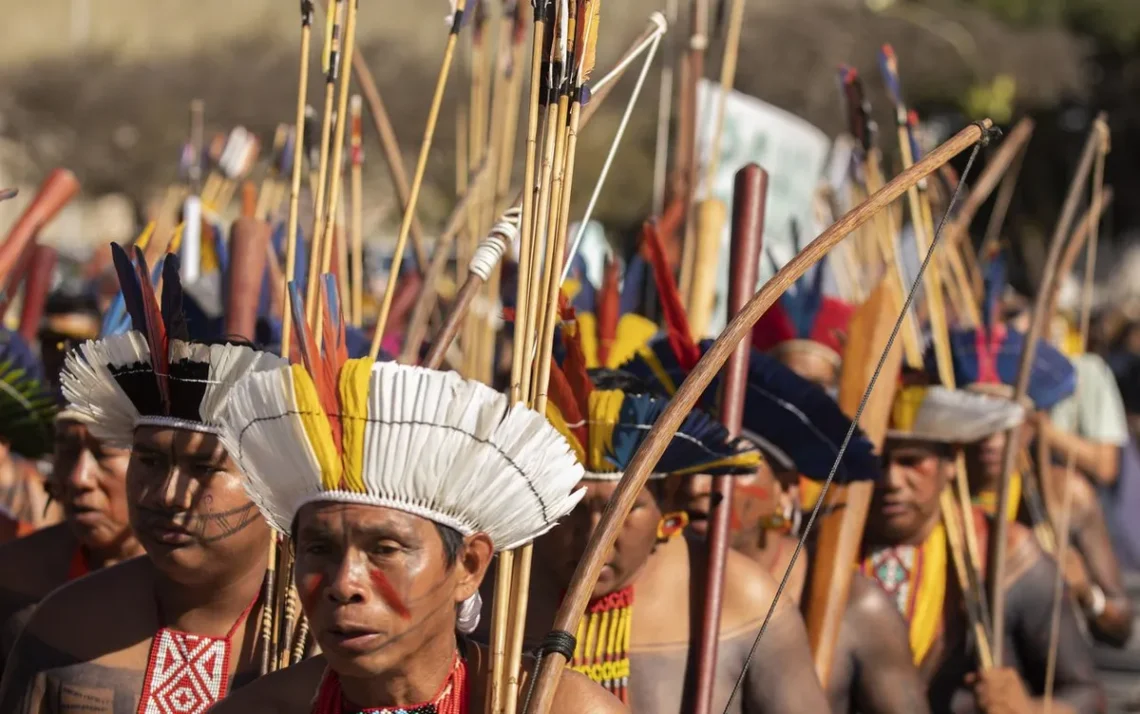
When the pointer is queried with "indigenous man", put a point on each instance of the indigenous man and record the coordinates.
(396, 505)
(27, 409)
(69, 319)
(168, 632)
(89, 481)
(989, 364)
(643, 653)
(907, 551)
(799, 428)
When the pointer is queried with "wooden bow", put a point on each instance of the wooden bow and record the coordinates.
(602, 541)
(997, 544)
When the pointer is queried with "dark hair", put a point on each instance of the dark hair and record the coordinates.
(452, 542)
(66, 303)
(617, 379)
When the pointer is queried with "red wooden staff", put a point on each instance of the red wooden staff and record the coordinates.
(249, 242)
(36, 286)
(749, 199)
(55, 193)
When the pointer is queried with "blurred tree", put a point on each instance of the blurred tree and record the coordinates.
(1115, 22)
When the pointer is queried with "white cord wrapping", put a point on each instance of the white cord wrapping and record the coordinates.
(491, 250)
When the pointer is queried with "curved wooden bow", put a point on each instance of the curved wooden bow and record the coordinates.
(1045, 297)
(604, 536)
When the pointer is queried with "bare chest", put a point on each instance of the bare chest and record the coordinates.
(177, 676)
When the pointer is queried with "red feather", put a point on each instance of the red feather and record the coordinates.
(609, 304)
(676, 322)
(155, 330)
(574, 366)
(329, 368)
(565, 397)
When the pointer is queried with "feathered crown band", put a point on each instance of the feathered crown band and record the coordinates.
(416, 440)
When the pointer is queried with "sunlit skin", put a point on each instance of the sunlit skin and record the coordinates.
(89, 480)
(984, 459)
(189, 509)
(557, 553)
(756, 499)
(811, 364)
(905, 508)
(381, 598)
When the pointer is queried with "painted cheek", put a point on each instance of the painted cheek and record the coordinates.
(388, 593)
(310, 588)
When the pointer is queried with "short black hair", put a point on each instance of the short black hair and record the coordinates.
(452, 542)
(604, 378)
(66, 303)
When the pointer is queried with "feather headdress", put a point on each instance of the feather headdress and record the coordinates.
(792, 420)
(27, 404)
(609, 330)
(987, 358)
(422, 441)
(606, 426)
(805, 318)
(153, 375)
(950, 416)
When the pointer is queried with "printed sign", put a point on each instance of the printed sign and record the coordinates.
(792, 151)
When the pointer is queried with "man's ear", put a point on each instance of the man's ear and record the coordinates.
(472, 563)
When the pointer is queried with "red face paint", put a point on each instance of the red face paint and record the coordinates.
(754, 491)
(388, 593)
(312, 587)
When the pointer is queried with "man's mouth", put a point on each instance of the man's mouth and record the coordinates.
(84, 515)
(893, 508)
(353, 638)
(164, 529)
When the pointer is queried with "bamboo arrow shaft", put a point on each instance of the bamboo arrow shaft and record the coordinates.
(417, 181)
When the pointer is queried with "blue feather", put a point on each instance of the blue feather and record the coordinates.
(172, 311)
(586, 299)
(791, 414)
(332, 297)
(699, 442)
(129, 287)
(220, 248)
(633, 285)
(1052, 377)
(890, 78)
(994, 281)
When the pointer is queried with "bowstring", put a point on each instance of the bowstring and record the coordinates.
(858, 413)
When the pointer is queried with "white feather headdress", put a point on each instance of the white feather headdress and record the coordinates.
(422, 441)
(112, 384)
(951, 416)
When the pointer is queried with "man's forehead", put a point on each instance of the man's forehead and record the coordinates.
(895, 448)
(184, 442)
(336, 516)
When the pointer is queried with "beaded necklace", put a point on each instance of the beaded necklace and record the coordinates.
(451, 699)
(602, 649)
(188, 673)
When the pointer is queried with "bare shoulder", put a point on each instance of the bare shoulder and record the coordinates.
(287, 691)
(578, 694)
(867, 600)
(37, 563)
(70, 615)
(749, 590)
